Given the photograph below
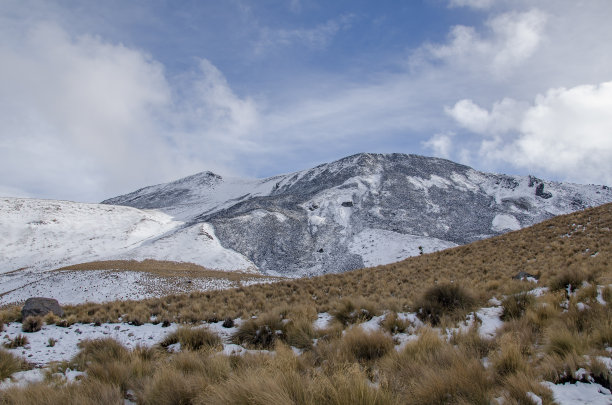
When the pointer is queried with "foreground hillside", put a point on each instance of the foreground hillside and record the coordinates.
(448, 327)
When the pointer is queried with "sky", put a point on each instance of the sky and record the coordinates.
(99, 98)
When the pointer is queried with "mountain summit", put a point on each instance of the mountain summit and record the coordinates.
(362, 210)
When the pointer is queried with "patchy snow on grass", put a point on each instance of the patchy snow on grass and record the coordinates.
(323, 321)
(490, 322)
(39, 352)
(580, 393)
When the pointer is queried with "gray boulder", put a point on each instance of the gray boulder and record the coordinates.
(38, 306)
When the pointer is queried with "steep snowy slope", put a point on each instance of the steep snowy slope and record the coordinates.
(365, 209)
(37, 236)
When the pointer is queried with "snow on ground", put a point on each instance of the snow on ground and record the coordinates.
(47, 234)
(38, 351)
(76, 287)
(490, 321)
(580, 393)
(378, 246)
(505, 222)
(196, 244)
(40, 235)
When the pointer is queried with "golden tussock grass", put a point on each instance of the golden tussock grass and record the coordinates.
(552, 249)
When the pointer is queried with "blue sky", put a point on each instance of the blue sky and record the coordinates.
(101, 98)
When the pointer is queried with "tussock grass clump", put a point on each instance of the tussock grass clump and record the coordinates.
(262, 332)
(300, 333)
(100, 351)
(515, 305)
(17, 341)
(350, 311)
(170, 386)
(364, 346)
(431, 371)
(561, 341)
(85, 393)
(444, 300)
(516, 387)
(393, 324)
(510, 359)
(569, 279)
(9, 364)
(471, 343)
(32, 324)
(192, 338)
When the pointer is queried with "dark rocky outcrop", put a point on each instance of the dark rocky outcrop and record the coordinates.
(39, 306)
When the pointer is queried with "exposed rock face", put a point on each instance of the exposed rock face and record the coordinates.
(362, 210)
(39, 306)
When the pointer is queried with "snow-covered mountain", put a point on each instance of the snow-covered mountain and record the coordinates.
(362, 210)
(47, 234)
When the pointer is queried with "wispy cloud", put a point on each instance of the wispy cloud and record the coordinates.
(317, 37)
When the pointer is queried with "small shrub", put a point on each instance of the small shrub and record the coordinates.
(228, 323)
(170, 386)
(51, 342)
(51, 318)
(192, 338)
(569, 279)
(32, 324)
(353, 311)
(443, 299)
(562, 342)
(366, 346)
(515, 305)
(100, 351)
(393, 324)
(9, 364)
(262, 332)
(509, 360)
(18, 341)
(299, 333)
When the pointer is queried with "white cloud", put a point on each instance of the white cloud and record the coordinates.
(82, 118)
(512, 39)
(478, 4)
(565, 132)
(501, 119)
(440, 144)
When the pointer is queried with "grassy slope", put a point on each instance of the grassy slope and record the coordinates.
(578, 241)
(551, 339)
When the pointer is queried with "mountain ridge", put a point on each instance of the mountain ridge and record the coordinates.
(337, 216)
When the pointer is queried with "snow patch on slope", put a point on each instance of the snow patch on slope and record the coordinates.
(504, 222)
(45, 234)
(196, 244)
(378, 246)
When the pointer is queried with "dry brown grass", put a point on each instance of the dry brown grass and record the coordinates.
(549, 338)
(10, 364)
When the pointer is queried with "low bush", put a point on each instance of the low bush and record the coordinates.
(262, 332)
(364, 346)
(349, 311)
(192, 338)
(570, 279)
(17, 341)
(509, 360)
(561, 341)
(32, 324)
(300, 333)
(393, 324)
(9, 364)
(444, 300)
(100, 351)
(515, 305)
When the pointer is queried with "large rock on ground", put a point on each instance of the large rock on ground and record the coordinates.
(38, 306)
